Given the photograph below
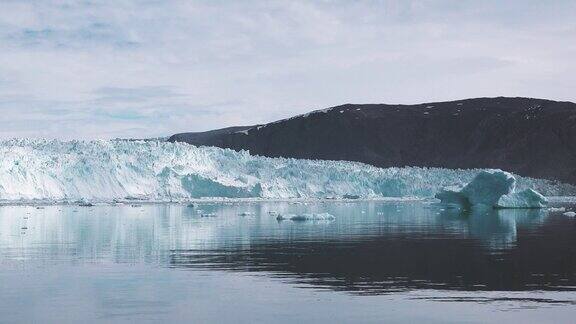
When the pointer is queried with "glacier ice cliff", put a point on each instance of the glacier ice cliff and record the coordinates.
(160, 171)
(492, 188)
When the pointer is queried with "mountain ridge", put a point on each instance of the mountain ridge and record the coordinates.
(528, 136)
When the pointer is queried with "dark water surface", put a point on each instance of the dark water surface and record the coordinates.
(376, 262)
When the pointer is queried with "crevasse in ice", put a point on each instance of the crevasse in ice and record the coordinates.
(160, 171)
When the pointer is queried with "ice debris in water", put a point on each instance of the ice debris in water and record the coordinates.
(281, 217)
(104, 171)
(307, 217)
(570, 214)
(494, 188)
(557, 209)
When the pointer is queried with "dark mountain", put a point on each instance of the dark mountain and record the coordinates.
(531, 137)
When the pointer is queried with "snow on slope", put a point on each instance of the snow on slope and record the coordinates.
(161, 171)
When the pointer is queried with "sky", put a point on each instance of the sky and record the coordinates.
(127, 68)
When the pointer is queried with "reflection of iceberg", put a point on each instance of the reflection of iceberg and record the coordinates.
(107, 170)
(492, 189)
(392, 246)
(497, 228)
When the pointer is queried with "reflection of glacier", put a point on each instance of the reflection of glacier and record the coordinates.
(370, 245)
(496, 228)
(106, 170)
(148, 232)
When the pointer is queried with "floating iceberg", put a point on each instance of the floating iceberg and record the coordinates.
(452, 196)
(306, 217)
(488, 186)
(524, 199)
(120, 170)
(493, 188)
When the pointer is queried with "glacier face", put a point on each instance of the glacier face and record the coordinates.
(160, 171)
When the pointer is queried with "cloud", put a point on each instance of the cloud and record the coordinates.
(149, 68)
(115, 94)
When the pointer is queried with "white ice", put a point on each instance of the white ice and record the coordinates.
(527, 198)
(493, 188)
(161, 171)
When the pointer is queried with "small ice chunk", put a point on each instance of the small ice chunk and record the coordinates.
(570, 214)
(86, 204)
(557, 209)
(284, 217)
(524, 199)
(306, 217)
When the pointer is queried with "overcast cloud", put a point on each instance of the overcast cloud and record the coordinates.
(103, 69)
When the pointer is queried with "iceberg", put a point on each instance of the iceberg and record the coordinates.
(453, 196)
(494, 188)
(307, 217)
(527, 198)
(488, 186)
(125, 170)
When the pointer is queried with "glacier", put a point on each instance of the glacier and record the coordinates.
(492, 188)
(111, 170)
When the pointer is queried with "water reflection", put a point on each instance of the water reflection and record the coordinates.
(497, 229)
(370, 248)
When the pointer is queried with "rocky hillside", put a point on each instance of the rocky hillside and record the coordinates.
(530, 137)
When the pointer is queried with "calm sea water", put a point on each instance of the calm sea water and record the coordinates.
(376, 262)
